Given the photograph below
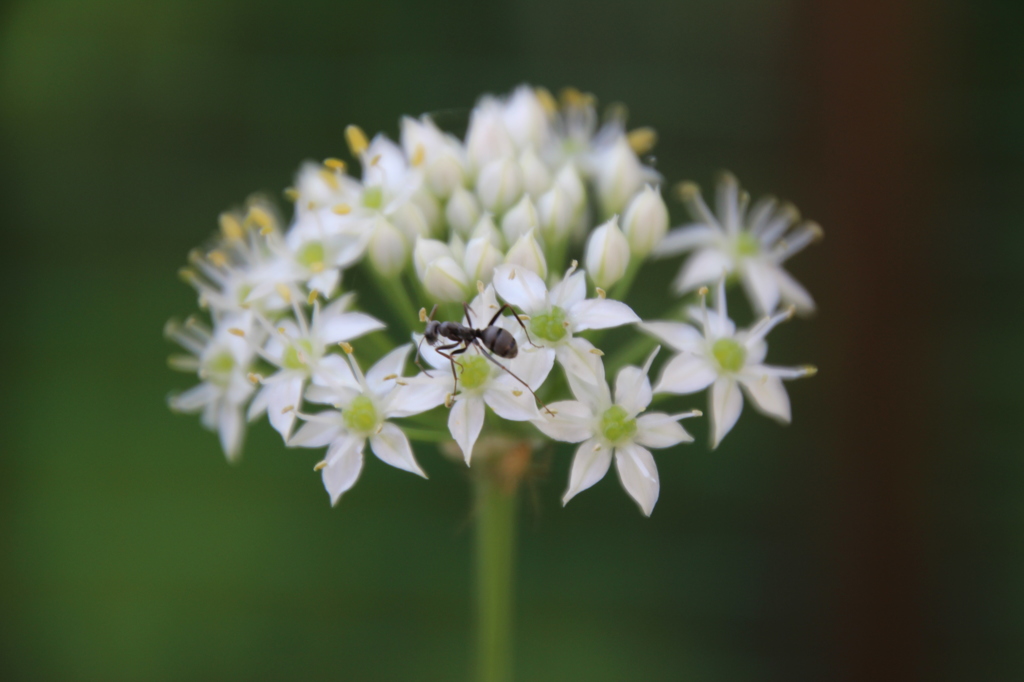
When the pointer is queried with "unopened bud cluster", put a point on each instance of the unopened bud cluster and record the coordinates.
(536, 224)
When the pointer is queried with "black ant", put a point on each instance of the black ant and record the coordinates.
(489, 341)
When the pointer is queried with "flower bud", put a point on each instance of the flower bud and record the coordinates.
(499, 185)
(429, 206)
(445, 281)
(426, 252)
(525, 118)
(520, 220)
(462, 211)
(619, 176)
(536, 175)
(480, 260)
(568, 179)
(527, 253)
(408, 218)
(487, 138)
(646, 221)
(557, 215)
(437, 155)
(607, 254)
(457, 247)
(486, 228)
(388, 250)
(444, 174)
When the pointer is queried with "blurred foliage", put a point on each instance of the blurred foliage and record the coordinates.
(131, 551)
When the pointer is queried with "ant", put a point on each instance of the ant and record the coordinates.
(489, 341)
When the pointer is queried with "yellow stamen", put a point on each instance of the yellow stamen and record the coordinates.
(316, 267)
(346, 346)
(418, 155)
(320, 466)
(597, 351)
(218, 258)
(703, 291)
(810, 370)
(390, 377)
(375, 160)
(291, 194)
(230, 227)
(342, 209)
(313, 295)
(261, 218)
(480, 287)
(516, 392)
(687, 191)
(423, 314)
(642, 140)
(235, 331)
(335, 164)
(356, 138)
(329, 178)
(600, 292)
(546, 100)
(288, 409)
(284, 292)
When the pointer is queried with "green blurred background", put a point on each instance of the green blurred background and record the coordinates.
(880, 537)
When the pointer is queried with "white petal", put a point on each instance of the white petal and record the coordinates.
(334, 372)
(769, 396)
(793, 292)
(325, 282)
(521, 287)
(601, 313)
(391, 364)
(572, 422)
(585, 372)
(703, 267)
(283, 398)
(569, 291)
(678, 335)
(258, 405)
(588, 467)
(639, 475)
(533, 365)
(761, 286)
(685, 238)
(726, 403)
(348, 326)
(660, 430)
(318, 433)
(231, 428)
(465, 421)
(632, 390)
(392, 447)
(195, 398)
(344, 462)
(685, 373)
(500, 394)
(420, 394)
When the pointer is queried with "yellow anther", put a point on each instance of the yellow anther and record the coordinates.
(380, 428)
(284, 292)
(230, 227)
(316, 266)
(342, 209)
(449, 400)
(697, 413)
(600, 292)
(516, 392)
(281, 330)
(480, 287)
(703, 291)
(642, 140)
(423, 314)
(313, 295)
(523, 316)
(335, 164)
(790, 312)
(375, 160)
(320, 466)
(687, 191)
(390, 377)
(235, 331)
(815, 230)
(288, 409)
(330, 179)
(401, 383)
(565, 323)
(546, 100)
(512, 273)
(346, 346)
(218, 258)
(356, 138)
(574, 99)
(809, 370)
(574, 264)
(253, 378)
(261, 218)
(597, 351)
(418, 155)
(291, 194)
(187, 274)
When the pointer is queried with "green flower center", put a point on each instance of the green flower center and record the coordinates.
(373, 197)
(730, 354)
(475, 371)
(219, 367)
(549, 326)
(616, 426)
(361, 415)
(747, 244)
(297, 355)
(311, 254)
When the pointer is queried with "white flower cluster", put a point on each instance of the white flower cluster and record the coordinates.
(485, 227)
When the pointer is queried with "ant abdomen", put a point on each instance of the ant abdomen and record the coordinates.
(500, 342)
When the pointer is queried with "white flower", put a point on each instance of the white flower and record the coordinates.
(487, 138)
(607, 254)
(536, 174)
(556, 315)
(619, 175)
(525, 118)
(462, 210)
(222, 359)
(751, 244)
(519, 220)
(449, 270)
(499, 184)
(297, 349)
(482, 380)
(646, 221)
(440, 155)
(720, 357)
(366, 403)
(527, 253)
(608, 428)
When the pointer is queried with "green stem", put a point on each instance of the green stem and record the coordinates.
(495, 549)
(622, 287)
(399, 297)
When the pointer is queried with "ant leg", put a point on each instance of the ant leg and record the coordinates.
(433, 311)
(469, 316)
(450, 356)
(515, 315)
(416, 359)
(512, 374)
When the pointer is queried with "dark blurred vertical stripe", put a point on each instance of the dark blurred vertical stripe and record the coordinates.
(868, 151)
